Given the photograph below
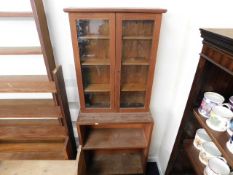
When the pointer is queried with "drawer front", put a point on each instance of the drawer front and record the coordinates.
(217, 56)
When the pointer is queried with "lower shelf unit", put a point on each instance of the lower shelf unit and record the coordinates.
(114, 143)
(114, 162)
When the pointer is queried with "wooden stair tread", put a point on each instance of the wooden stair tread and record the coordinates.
(31, 146)
(55, 155)
(23, 78)
(15, 133)
(27, 102)
(26, 84)
(16, 14)
(20, 51)
(33, 111)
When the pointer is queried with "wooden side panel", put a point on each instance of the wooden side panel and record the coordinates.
(81, 162)
(43, 31)
(63, 102)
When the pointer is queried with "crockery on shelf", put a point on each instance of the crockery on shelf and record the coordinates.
(230, 127)
(201, 137)
(208, 150)
(229, 144)
(217, 166)
(231, 103)
(219, 118)
(210, 100)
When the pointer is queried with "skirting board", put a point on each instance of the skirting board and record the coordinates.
(155, 159)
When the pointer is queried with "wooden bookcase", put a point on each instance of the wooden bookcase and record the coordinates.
(115, 54)
(214, 73)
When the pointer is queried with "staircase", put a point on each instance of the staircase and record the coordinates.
(35, 129)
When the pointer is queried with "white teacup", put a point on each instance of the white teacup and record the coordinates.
(219, 118)
(208, 151)
(201, 137)
(217, 166)
(210, 100)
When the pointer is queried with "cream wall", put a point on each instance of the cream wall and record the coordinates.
(178, 54)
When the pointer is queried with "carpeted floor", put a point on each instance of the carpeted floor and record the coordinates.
(152, 169)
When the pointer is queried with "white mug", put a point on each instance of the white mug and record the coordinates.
(217, 166)
(220, 117)
(209, 150)
(210, 100)
(201, 137)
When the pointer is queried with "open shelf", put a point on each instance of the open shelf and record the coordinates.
(193, 155)
(135, 61)
(219, 138)
(94, 61)
(115, 138)
(97, 88)
(115, 163)
(137, 37)
(133, 87)
(93, 37)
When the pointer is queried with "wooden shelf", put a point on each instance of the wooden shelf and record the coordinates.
(115, 138)
(24, 78)
(97, 88)
(133, 87)
(219, 138)
(137, 37)
(94, 62)
(116, 163)
(20, 51)
(135, 61)
(93, 37)
(16, 14)
(193, 155)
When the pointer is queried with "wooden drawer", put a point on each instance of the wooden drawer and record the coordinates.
(217, 56)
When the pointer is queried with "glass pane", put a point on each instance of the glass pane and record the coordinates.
(136, 50)
(92, 27)
(138, 28)
(97, 100)
(93, 41)
(132, 99)
(96, 80)
(133, 86)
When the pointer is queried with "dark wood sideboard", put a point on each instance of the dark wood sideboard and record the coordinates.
(214, 73)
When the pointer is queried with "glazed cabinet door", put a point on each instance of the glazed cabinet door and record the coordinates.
(136, 45)
(93, 37)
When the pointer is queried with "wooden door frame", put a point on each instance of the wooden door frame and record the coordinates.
(108, 16)
(154, 46)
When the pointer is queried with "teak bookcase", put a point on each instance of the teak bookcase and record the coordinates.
(214, 73)
(115, 54)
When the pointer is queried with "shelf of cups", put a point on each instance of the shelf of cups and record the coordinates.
(193, 155)
(219, 138)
